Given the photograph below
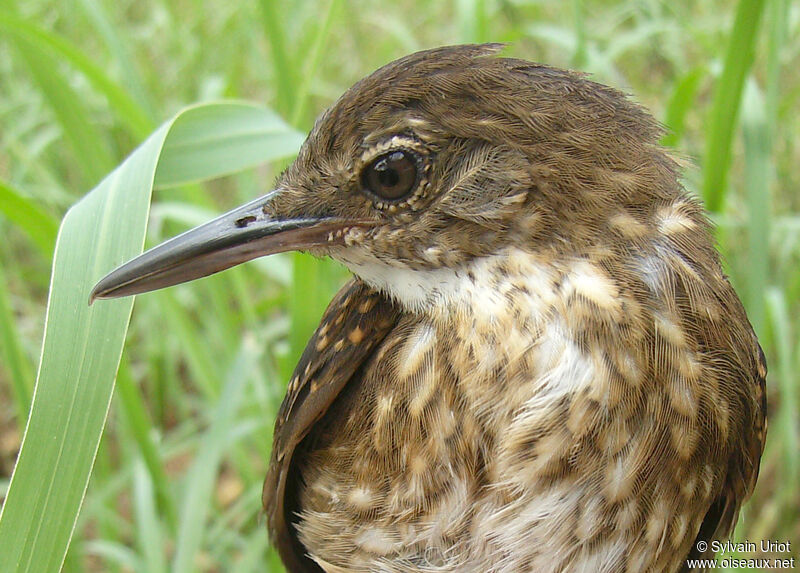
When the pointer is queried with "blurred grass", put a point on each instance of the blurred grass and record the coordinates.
(81, 84)
(82, 346)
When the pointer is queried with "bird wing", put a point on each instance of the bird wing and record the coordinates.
(742, 475)
(354, 324)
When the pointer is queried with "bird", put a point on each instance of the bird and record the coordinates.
(539, 363)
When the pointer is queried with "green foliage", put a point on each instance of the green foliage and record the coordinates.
(727, 95)
(83, 345)
(177, 473)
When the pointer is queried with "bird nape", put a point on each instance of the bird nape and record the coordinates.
(539, 364)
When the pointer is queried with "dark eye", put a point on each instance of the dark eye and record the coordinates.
(392, 175)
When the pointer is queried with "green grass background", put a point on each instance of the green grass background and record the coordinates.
(177, 476)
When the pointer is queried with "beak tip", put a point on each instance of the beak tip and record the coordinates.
(94, 295)
(100, 291)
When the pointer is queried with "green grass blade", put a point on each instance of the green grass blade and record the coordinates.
(148, 526)
(314, 282)
(40, 226)
(284, 71)
(142, 431)
(313, 59)
(81, 350)
(779, 22)
(125, 108)
(14, 361)
(202, 475)
(727, 96)
(115, 39)
(236, 136)
(82, 344)
(115, 555)
(758, 177)
(205, 374)
(471, 16)
(787, 420)
(581, 56)
(680, 102)
(90, 148)
(253, 555)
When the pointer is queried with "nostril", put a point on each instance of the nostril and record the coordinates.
(244, 221)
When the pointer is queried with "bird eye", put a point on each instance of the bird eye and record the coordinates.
(391, 176)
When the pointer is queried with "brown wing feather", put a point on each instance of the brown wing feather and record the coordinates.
(722, 515)
(355, 322)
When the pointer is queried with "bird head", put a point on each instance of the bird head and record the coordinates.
(433, 160)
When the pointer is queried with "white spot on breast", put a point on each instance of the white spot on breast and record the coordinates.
(640, 557)
(415, 349)
(385, 404)
(628, 225)
(657, 522)
(688, 485)
(684, 438)
(674, 219)
(361, 498)
(450, 514)
(604, 557)
(566, 368)
(591, 519)
(377, 540)
(669, 329)
(326, 488)
(682, 397)
(679, 530)
(592, 283)
(627, 515)
(426, 388)
(708, 480)
(619, 480)
(652, 272)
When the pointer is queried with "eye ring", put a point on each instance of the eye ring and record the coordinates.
(393, 175)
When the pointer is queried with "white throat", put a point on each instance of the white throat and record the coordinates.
(414, 290)
(477, 286)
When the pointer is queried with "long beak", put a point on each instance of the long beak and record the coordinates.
(240, 235)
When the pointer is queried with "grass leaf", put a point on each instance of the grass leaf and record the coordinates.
(200, 481)
(15, 362)
(214, 143)
(727, 96)
(40, 226)
(125, 108)
(90, 147)
(285, 75)
(758, 177)
(680, 103)
(81, 350)
(142, 431)
(151, 541)
(82, 345)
